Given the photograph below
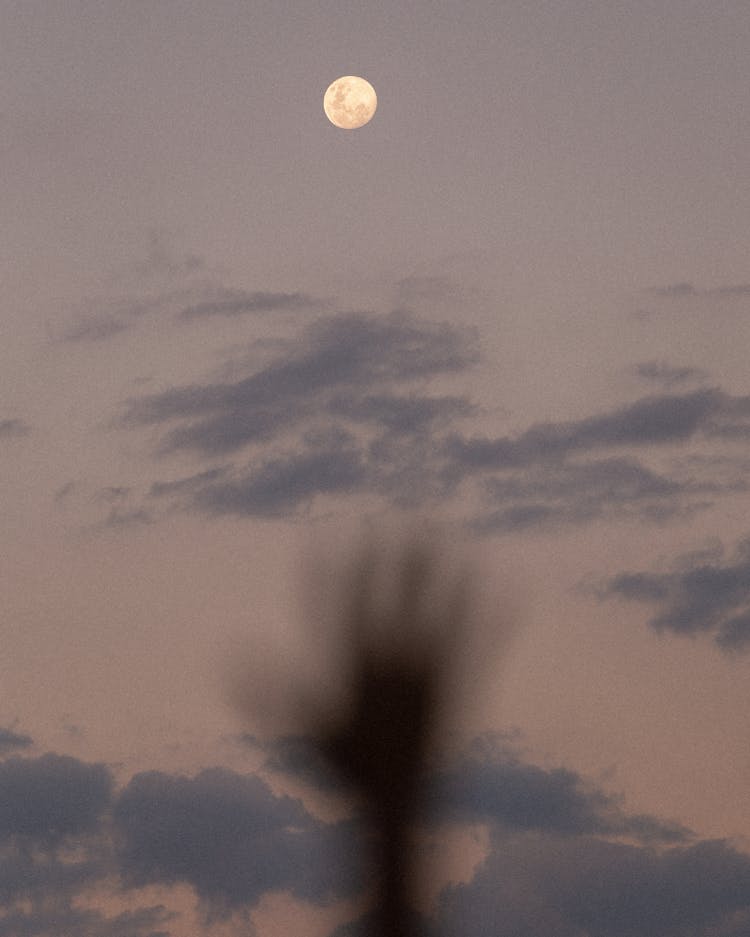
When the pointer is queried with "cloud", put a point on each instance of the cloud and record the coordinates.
(564, 857)
(162, 260)
(698, 596)
(295, 756)
(54, 849)
(537, 883)
(490, 783)
(11, 741)
(652, 420)
(335, 411)
(13, 428)
(682, 290)
(351, 352)
(660, 372)
(241, 302)
(83, 922)
(341, 407)
(410, 414)
(167, 283)
(576, 493)
(49, 799)
(95, 329)
(280, 486)
(230, 838)
(544, 482)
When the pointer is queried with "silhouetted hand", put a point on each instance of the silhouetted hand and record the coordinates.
(401, 647)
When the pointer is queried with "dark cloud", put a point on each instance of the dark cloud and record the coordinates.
(297, 756)
(118, 518)
(280, 486)
(241, 302)
(12, 428)
(51, 798)
(660, 372)
(652, 420)
(682, 290)
(565, 858)
(161, 259)
(352, 353)
(54, 849)
(535, 883)
(575, 493)
(188, 485)
(542, 486)
(95, 329)
(12, 741)
(182, 296)
(335, 411)
(402, 414)
(491, 784)
(231, 839)
(82, 922)
(99, 319)
(26, 876)
(699, 595)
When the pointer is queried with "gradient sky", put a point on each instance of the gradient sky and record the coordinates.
(519, 300)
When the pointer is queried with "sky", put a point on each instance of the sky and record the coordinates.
(517, 304)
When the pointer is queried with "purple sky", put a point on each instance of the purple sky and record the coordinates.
(519, 300)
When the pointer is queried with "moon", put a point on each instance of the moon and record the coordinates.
(350, 102)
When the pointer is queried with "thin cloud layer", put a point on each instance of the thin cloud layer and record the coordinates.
(581, 492)
(698, 596)
(667, 375)
(684, 290)
(178, 287)
(13, 428)
(242, 302)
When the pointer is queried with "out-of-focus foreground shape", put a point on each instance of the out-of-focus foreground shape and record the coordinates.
(404, 640)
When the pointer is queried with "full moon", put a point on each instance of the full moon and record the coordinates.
(350, 102)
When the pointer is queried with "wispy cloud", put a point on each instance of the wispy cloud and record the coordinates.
(231, 303)
(700, 595)
(173, 286)
(661, 372)
(280, 486)
(577, 493)
(352, 353)
(342, 405)
(653, 420)
(13, 429)
(683, 290)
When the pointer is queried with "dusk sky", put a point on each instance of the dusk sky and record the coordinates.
(516, 302)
